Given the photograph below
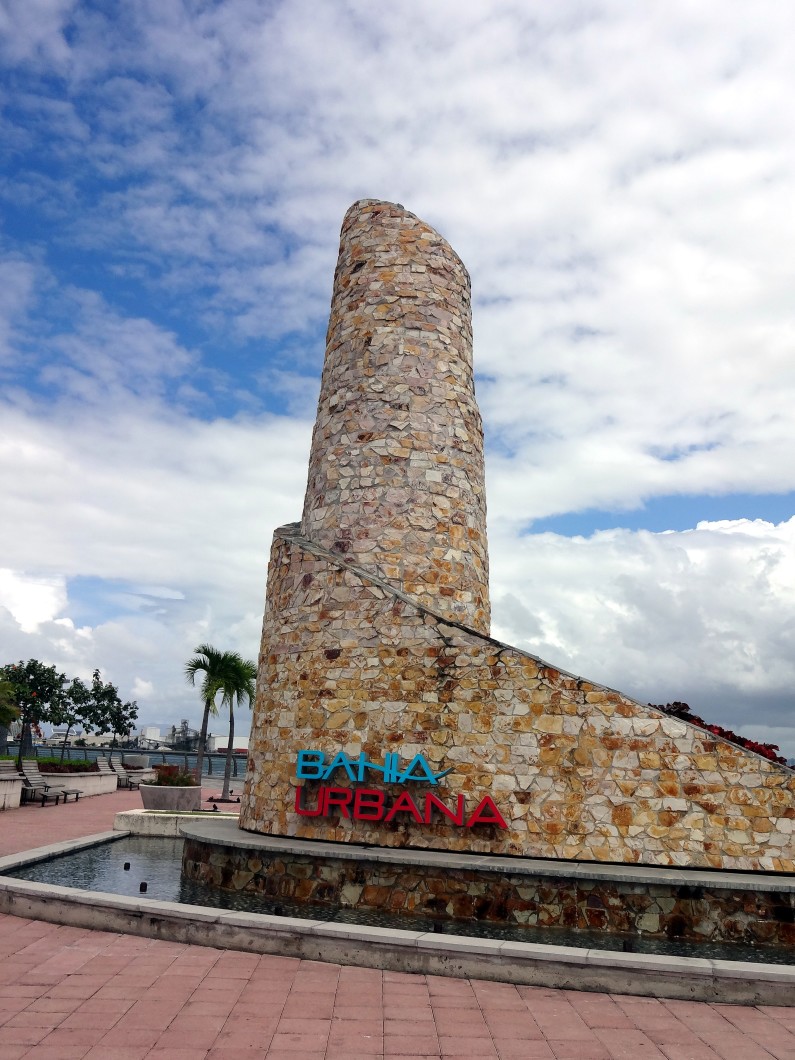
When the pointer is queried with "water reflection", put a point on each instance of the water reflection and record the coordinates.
(157, 862)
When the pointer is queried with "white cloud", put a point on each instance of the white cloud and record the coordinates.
(17, 282)
(618, 180)
(31, 600)
(703, 616)
(33, 30)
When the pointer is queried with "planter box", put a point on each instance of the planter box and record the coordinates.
(176, 800)
(137, 761)
(87, 783)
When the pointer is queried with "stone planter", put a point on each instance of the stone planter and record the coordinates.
(171, 799)
(87, 783)
(136, 761)
(10, 792)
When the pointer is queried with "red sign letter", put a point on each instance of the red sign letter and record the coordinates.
(368, 805)
(487, 813)
(405, 804)
(341, 797)
(432, 801)
(299, 798)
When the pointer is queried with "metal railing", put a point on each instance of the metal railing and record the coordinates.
(214, 762)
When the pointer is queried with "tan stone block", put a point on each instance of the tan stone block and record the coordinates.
(657, 831)
(550, 757)
(337, 721)
(705, 761)
(622, 815)
(627, 787)
(549, 723)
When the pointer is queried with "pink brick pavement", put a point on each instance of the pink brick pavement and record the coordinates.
(68, 992)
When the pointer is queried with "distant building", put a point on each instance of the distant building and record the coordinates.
(219, 744)
(59, 736)
(93, 739)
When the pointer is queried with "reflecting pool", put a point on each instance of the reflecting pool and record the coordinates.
(120, 867)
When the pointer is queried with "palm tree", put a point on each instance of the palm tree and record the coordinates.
(226, 673)
(245, 679)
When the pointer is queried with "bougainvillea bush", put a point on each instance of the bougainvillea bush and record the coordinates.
(173, 777)
(682, 711)
(55, 765)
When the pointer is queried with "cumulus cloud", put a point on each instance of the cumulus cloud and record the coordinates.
(617, 179)
(29, 600)
(704, 616)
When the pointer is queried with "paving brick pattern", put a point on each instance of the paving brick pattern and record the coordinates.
(68, 993)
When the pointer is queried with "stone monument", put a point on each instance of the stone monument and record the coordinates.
(385, 712)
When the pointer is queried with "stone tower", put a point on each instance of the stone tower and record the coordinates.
(385, 712)
(396, 469)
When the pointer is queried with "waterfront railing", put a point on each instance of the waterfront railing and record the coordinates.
(214, 762)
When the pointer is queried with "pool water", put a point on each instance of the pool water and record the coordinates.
(158, 864)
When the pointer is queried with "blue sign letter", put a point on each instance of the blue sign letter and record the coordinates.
(310, 765)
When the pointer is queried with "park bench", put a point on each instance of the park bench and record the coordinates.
(104, 767)
(50, 790)
(35, 786)
(126, 780)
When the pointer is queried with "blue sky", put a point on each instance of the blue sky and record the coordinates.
(672, 513)
(617, 179)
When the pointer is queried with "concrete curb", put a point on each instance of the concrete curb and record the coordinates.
(521, 963)
(52, 850)
(162, 823)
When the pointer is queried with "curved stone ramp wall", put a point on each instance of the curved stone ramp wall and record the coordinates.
(732, 910)
(577, 770)
(396, 479)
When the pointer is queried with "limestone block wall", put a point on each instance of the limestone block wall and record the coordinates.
(577, 770)
(396, 476)
(375, 636)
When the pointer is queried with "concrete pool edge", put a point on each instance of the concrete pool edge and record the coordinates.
(9, 862)
(520, 963)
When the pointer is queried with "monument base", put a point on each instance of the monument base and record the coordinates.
(520, 893)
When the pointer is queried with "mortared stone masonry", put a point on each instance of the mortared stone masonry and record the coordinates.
(376, 631)
(396, 466)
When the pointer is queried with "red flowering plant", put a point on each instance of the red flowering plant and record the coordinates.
(170, 776)
(682, 711)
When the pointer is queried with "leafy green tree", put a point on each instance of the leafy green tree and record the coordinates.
(8, 711)
(73, 707)
(227, 674)
(105, 711)
(37, 693)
